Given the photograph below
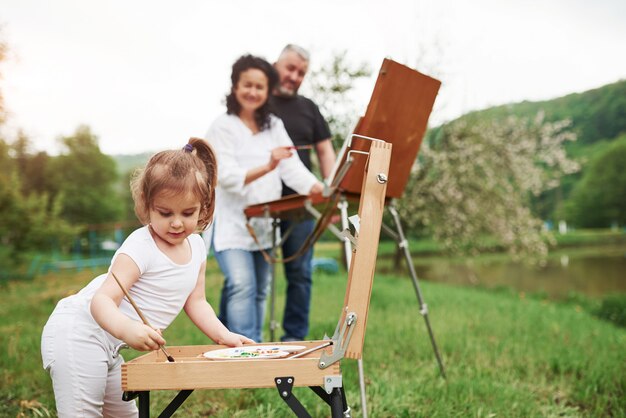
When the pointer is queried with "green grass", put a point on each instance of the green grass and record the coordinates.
(506, 355)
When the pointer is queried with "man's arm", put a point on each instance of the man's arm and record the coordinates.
(326, 156)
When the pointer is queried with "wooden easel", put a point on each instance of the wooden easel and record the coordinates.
(397, 113)
(320, 370)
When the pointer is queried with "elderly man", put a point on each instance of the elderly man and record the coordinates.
(306, 126)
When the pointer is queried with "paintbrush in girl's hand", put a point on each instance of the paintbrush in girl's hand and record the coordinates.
(143, 318)
(297, 147)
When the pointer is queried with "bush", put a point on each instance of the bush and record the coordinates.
(613, 309)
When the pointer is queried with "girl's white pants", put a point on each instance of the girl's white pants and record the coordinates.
(86, 374)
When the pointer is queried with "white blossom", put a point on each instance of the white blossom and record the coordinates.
(473, 183)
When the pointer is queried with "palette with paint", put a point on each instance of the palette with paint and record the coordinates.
(253, 352)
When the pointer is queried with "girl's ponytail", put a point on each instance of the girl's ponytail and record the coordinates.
(206, 154)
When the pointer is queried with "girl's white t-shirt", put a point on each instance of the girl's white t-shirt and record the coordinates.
(163, 286)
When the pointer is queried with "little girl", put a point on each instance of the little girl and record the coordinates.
(162, 265)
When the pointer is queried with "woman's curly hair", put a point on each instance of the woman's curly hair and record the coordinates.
(244, 63)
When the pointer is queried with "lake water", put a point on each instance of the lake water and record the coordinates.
(592, 271)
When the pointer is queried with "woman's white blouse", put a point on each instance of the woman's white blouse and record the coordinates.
(239, 150)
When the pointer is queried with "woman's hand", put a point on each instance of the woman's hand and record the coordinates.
(317, 189)
(143, 338)
(279, 153)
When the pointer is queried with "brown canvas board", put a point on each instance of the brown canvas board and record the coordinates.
(398, 112)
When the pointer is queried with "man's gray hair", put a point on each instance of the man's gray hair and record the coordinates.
(303, 53)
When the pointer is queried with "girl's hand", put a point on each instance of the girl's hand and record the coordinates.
(279, 153)
(143, 338)
(235, 340)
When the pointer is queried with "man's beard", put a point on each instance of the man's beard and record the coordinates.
(285, 92)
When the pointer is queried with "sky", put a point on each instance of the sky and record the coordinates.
(145, 75)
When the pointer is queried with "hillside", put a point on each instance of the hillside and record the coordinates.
(596, 115)
(129, 162)
(598, 118)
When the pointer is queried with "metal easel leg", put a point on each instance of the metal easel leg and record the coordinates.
(336, 399)
(273, 324)
(144, 404)
(176, 403)
(403, 243)
(284, 385)
(343, 208)
(347, 248)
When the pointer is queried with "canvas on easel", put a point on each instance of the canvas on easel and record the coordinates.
(398, 113)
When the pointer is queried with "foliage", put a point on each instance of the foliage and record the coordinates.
(613, 309)
(474, 180)
(599, 199)
(330, 86)
(85, 178)
(596, 114)
(33, 168)
(28, 222)
(41, 195)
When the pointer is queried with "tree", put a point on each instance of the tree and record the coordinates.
(28, 222)
(473, 179)
(599, 199)
(29, 218)
(330, 86)
(84, 178)
(32, 168)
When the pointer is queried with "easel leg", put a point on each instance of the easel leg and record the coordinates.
(176, 403)
(362, 387)
(285, 385)
(403, 243)
(347, 248)
(336, 399)
(343, 208)
(273, 325)
(336, 403)
(144, 404)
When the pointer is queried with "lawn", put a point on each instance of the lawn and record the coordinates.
(506, 354)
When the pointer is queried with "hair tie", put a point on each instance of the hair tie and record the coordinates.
(188, 148)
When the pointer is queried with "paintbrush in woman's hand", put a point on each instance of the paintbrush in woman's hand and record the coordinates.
(298, 147)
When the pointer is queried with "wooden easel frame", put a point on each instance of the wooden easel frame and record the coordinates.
(398, 112)
(319, 370)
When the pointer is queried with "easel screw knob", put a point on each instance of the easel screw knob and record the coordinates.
(381, 178)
